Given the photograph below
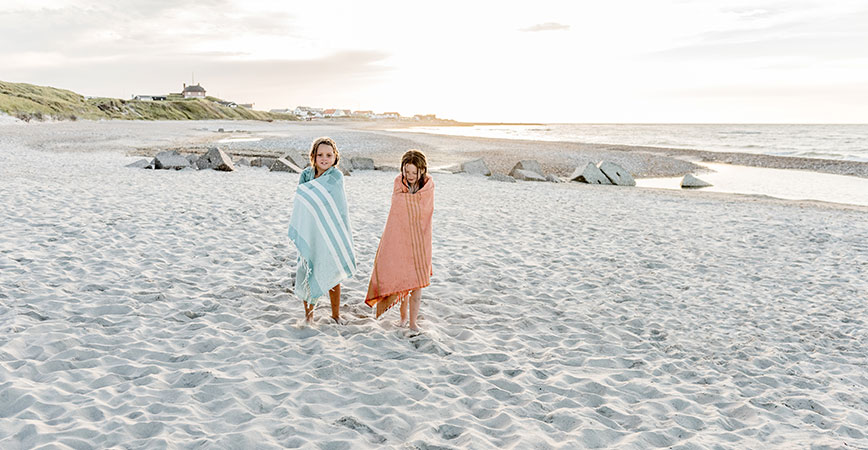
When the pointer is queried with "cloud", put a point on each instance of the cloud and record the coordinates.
(144, 28)
(548, 26)
(270, 83)
(830, 37)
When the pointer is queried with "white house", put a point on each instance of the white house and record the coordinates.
(336, 113)
(387, 115)
(149, 98)
(308, 113)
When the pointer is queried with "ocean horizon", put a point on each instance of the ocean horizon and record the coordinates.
(847, 142)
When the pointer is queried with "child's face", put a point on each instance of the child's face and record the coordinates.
(411, 173)
(325, 157)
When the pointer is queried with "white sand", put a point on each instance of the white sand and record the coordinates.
(149, 309)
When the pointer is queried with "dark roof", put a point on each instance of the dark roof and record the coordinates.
(195, 88)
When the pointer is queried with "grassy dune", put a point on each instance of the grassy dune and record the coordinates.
(29, 102)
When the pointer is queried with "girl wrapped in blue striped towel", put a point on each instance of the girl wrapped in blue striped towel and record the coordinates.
(320, 229)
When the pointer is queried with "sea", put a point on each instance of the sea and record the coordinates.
(841, 142)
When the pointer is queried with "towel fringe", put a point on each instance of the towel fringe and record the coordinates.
(302, 283)
(381, 305)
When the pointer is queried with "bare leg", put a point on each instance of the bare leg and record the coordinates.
(335, 297)
(308, 312)
(415, 299)
(403, 313)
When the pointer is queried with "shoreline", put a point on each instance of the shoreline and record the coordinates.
(384, 145)
(506, 147)
(823, 165)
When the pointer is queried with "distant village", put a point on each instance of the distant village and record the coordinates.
(301, 112)
(309, 113)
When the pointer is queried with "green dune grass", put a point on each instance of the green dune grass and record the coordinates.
(30, 102)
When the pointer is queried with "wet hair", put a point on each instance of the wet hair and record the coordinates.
(418, 159)
(327, 141)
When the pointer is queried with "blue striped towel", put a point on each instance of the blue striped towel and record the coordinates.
(320, 228)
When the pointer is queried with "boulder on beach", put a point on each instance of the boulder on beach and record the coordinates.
(142, 164)
(526, 175)
(284, 165)
(553, 178)
(501, 177)
(346, 163)
(216, 159)
(360, 163)
(690, 181)
(528, 165)
(343, 170)
(170, 160)
(476, 167)
(590, 174)
(386, 168)
(192, 158)
(616, 174)
(299, 159)
(262, 162)
(242, 162)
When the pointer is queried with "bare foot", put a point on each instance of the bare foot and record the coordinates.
(339, 320)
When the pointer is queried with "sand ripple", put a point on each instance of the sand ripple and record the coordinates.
(144, 309)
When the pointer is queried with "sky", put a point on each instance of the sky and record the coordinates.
(620, 61)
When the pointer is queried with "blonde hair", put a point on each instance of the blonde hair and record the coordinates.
(327, 141)
(418, 159)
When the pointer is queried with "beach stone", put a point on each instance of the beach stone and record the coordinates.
(192, 158)
(284, 165)
(528, 165)
(553, 178)
(360, 163)
(501, 177)
(216, 159)
(690, 181)
(262, 162)
(343, 170)
(170, 159)
(476, 167)
(616, 174)
(387, 168)
(142, 164)
(590, 174)
(346, 163)
(526, 175)
(299, 159)
(242, 162)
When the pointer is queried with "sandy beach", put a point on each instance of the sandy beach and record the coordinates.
(154, 309)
